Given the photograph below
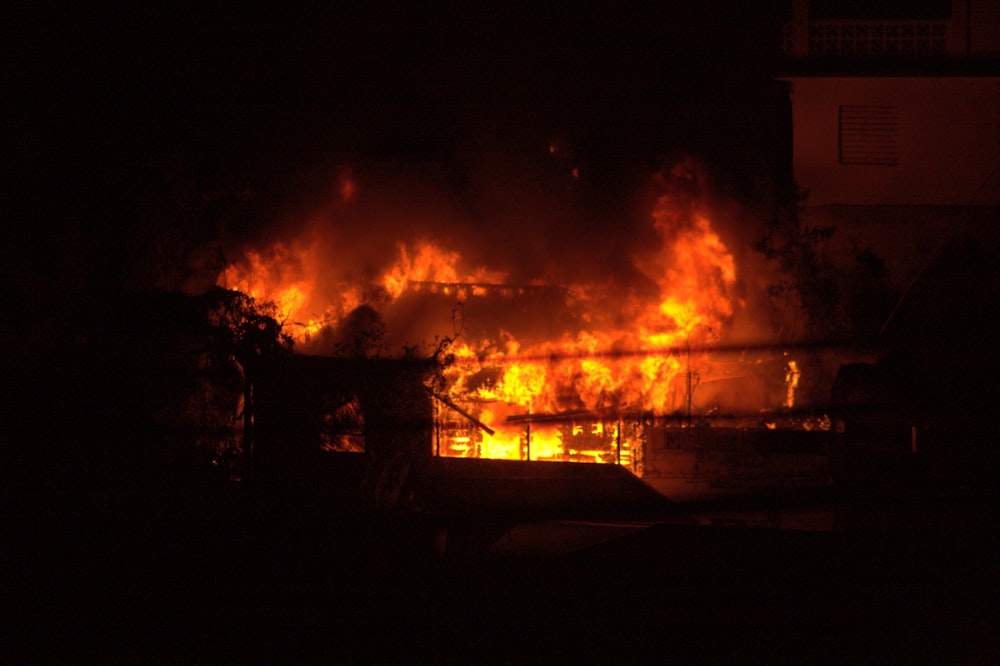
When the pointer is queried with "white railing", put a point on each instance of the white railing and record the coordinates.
(860, 38)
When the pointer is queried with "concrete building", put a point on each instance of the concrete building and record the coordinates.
(896, 125)
(895, 112)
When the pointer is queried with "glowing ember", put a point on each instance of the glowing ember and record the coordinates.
(791, 382)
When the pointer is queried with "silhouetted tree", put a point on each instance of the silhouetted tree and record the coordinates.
(944, 333)
(361, 334)
(807, 282)
(244, 331)
(869, 299)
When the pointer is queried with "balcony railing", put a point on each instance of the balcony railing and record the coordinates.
(869, 39)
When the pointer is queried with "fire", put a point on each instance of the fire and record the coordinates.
(565, 395)
(791, 382)
(428, 263)
(287, 276)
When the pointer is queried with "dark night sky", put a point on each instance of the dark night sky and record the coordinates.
(110, 110)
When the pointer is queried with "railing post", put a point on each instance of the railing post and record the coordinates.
(619, 460)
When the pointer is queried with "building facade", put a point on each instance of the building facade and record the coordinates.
(896, 125)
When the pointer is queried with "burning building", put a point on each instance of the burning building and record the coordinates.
(550, 367)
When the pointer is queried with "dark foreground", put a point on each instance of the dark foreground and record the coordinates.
(306, 575)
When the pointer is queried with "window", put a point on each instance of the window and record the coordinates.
(868, 134)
